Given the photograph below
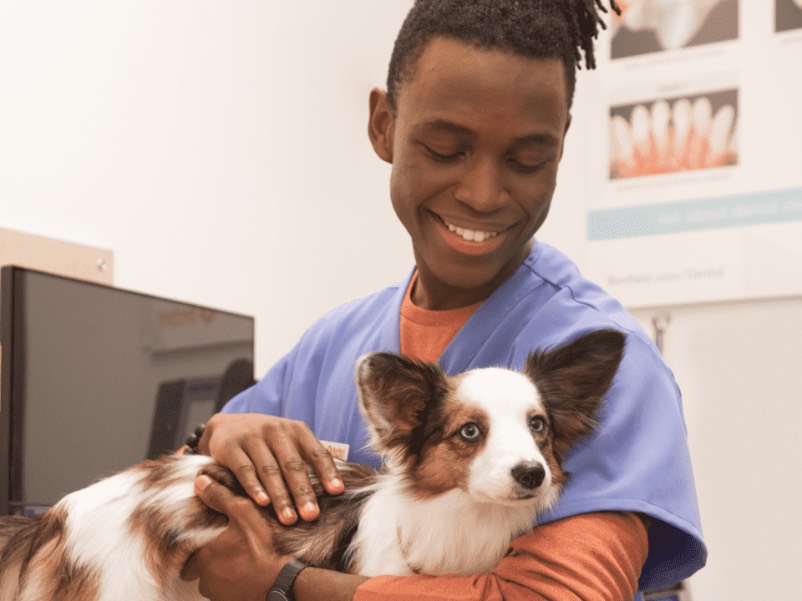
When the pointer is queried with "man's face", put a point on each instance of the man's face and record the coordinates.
(475, 142)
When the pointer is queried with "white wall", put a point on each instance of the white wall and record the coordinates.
(738, 367)
(220, 149)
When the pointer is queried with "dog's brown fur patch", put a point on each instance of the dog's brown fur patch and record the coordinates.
(33, 556)
(444, 461)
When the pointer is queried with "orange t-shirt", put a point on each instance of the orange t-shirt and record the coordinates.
(424, 333)
(588, 557)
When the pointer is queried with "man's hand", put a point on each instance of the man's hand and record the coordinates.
(240, 564)
(270, 455)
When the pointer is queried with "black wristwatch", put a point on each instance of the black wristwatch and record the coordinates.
(282, 587)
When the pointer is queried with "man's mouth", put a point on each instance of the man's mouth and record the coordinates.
(467, 234)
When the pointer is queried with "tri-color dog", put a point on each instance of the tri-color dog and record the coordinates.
(470, 461)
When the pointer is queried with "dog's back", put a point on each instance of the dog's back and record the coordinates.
(129, 535)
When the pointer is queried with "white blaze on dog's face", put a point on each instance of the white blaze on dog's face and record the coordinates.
(511, 458)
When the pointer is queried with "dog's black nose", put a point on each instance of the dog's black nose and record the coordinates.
(529, 474)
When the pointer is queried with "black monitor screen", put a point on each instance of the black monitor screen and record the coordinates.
(96, 378)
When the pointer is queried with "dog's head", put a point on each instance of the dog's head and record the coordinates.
(497, 434)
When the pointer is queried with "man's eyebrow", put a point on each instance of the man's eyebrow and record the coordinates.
(442, 124)
(535, 140)
(543, 139)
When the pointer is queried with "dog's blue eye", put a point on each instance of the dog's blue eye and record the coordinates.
(537, 424)
(470, 432)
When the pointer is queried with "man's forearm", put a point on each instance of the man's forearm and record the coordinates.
(313, 584)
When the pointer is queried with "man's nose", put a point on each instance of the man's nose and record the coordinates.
(481, 185)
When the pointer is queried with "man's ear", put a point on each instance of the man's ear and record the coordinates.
(381, 124)
(396, 396)
(573, 379)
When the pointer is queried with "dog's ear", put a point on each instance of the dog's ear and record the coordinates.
(573, 379)
(396, 396)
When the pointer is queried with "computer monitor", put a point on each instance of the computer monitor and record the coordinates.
(97, 378)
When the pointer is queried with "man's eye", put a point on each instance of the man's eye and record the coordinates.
(451, 156)
(526, 167)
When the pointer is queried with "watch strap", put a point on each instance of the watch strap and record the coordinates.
(286, 578)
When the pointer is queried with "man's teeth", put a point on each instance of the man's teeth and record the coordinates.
(470, 235)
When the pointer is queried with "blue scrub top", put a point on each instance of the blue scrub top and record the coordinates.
(636, 460)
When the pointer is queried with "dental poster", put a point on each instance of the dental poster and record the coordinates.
(700, 198)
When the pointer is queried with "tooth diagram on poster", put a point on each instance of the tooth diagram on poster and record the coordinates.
(700, 196)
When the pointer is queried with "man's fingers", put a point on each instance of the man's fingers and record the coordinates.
(270, 475)
(243, 467)
(298, 453)
(322, 464)
(271, 458)
(296, 474)
(214, 495)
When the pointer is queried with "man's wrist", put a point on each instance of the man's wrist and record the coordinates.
(281, 590)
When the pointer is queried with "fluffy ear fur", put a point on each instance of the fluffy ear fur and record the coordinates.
(396, 396)
(573, 379)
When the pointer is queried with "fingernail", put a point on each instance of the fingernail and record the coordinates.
(262, 498)
(310, 508)
(336, 483)
(288, 514)
(202, 482)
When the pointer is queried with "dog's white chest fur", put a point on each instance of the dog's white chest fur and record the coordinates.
(448, 534)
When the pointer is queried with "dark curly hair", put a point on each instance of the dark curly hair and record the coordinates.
(562, 29)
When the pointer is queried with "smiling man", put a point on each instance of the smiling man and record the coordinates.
(473, 121)
(475, 139)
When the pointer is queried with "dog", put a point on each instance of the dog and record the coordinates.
(469, 462)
